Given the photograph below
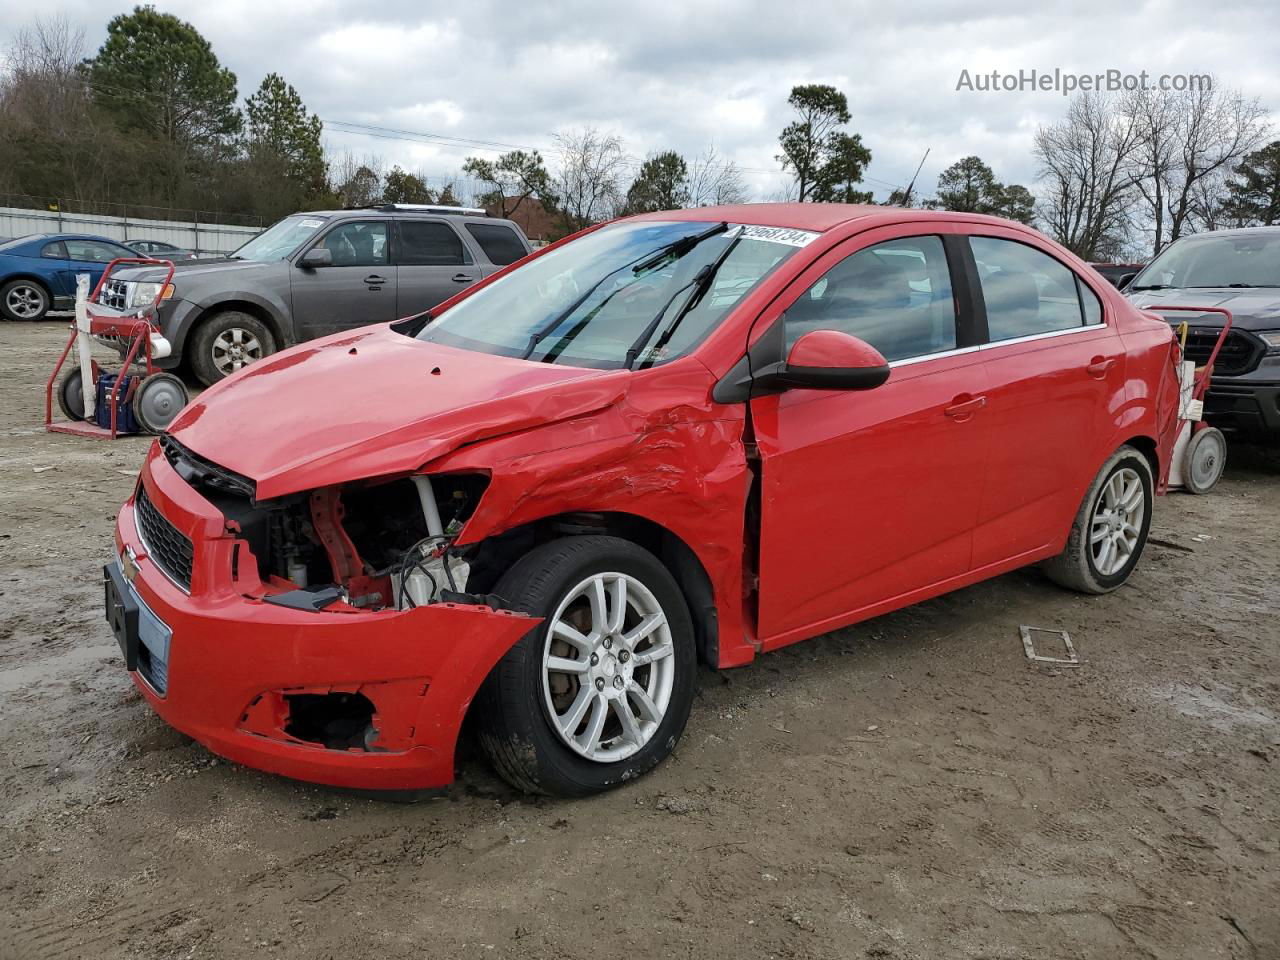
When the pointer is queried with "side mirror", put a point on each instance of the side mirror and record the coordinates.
(829, 360)
(1125, 280)
(316, 257)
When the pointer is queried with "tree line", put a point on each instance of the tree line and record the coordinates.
(153, 119)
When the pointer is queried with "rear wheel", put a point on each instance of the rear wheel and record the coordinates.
(1204, 461)
(71, 395)
(157, 400)
(24, 300)
(600, 691)
(227, 342)
(1110, 528)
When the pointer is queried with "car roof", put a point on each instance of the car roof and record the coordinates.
(1233, 232)
(818, 217)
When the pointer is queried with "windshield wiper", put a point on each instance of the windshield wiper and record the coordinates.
(1226, 286)
(639, 265)
(1153, 286)
(701, 282)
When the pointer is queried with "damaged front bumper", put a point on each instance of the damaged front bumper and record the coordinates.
(339, 696)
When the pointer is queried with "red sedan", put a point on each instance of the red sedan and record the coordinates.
(687, 436)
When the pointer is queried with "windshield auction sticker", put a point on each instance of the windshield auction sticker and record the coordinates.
(787, 235)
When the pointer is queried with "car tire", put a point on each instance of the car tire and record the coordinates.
(1204, 460)
(157, 400)
(227, 342)
(71, 395)
(1110, 528)
(22, 300)
(551, 713)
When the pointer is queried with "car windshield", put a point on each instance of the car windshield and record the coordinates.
(280, 239)
(588, 303)
(1226, 260)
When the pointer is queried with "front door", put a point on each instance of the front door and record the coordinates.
(867, 496)
(358, 288)
(432, 264)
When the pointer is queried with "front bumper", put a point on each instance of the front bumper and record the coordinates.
(1245, 404)
(234, 661)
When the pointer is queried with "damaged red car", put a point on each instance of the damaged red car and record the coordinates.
(684, 437)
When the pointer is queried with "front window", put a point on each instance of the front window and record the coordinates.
(636, 294)
(1226, 260)
(280, 239)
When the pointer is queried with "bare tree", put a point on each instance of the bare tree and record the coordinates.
(1187, 142)
(714, 181)
(51, 138)
(1087, 190)
(588, 184)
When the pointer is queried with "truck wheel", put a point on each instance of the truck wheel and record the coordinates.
(157, 400)
(227, 342)
(71, 395)
(24, 300)
(1110, 529)
(599, 692)
(1204, 460)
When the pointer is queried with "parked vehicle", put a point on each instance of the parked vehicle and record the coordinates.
(38, 271)
(1115, 273)
(312, 274)
(160, 250)
(1238, 270)
(693, 435)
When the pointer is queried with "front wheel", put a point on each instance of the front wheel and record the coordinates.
(226, 343)
(600, 691)
(1110, 529)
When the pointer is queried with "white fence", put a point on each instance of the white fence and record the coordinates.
(203, 238)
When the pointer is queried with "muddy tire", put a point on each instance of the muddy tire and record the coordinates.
(227, 342)
(599, 693)
(1110, 528)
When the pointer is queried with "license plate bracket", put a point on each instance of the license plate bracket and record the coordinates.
(122, 613)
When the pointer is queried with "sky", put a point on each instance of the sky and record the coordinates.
(692, 75)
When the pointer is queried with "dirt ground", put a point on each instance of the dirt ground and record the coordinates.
(912, 787)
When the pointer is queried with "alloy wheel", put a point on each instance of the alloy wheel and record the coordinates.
(1116, 526)
(25, 301)
(608, 667)
(235, 348)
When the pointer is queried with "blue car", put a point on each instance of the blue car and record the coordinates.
(38, 272)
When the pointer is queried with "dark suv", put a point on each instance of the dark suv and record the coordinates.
(1238, 270)
(313, 274)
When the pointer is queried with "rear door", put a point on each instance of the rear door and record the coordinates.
(867, 496)
(1056, 371)
(433, 263)
(358, 288)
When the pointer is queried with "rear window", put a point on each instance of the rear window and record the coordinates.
(19, 241)
(500, 244)
(430, 243)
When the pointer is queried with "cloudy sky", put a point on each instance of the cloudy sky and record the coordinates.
(697, 74)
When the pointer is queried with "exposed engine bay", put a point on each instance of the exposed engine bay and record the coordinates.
(375, 544)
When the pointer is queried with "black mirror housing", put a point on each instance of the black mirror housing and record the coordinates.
(316, 257)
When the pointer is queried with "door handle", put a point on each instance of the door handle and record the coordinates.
(373, 279)
(1099, 366)
(964, 406)
(462, 278)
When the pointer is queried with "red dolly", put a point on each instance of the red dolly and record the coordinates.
(127, 402)
(1199, 450)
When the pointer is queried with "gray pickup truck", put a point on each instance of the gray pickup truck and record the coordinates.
(313, 274)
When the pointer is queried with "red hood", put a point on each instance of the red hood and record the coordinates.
(373, 402)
